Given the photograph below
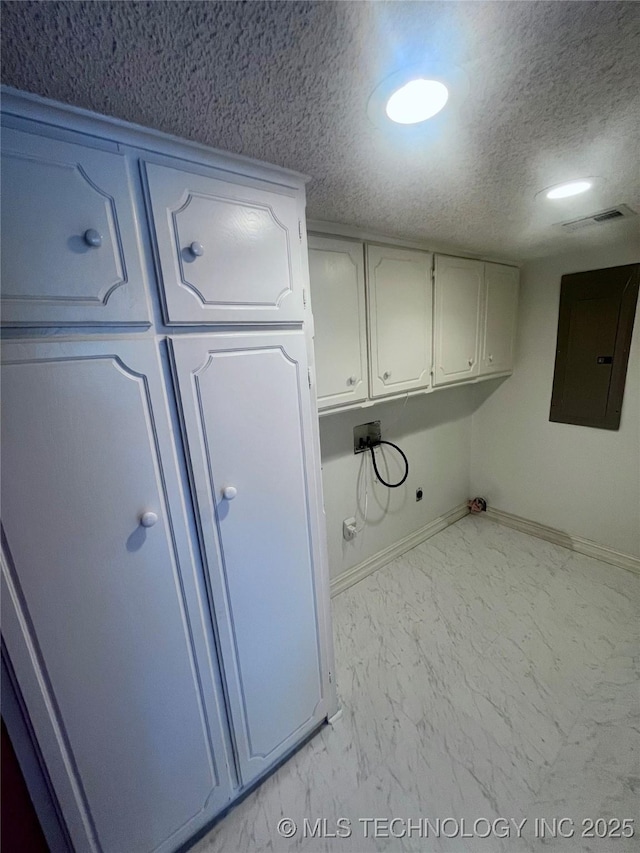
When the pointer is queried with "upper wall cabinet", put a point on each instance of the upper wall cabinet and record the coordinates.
(457, 307)
(474, 320)
(227, 252)
(336, 270)
(69, 233)
(499, 320)
(399, 319)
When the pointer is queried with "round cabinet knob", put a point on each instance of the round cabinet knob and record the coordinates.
(197, 249)
(386, 374)
(490, 358)
(93, 238)
(229, 493)
(470, 362)
(148, 519)
(352, 380)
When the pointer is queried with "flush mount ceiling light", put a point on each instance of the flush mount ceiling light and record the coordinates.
(568, 189)
(566, 195)
(405, 100)
(416, 101)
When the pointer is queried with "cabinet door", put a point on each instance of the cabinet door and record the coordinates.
(336, 270)
(500, 315)
(104, 618)
(247, 414)
(70, 250)
(227, 252)
(457, 303)
(400, 299)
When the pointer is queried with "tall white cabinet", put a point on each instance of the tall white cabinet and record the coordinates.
(248, 428)
(165, 587)
(102, 613)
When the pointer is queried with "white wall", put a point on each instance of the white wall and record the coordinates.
(583, 481)
(434, 431)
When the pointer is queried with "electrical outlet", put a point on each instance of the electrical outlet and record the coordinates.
(349, 530)
(419, 493)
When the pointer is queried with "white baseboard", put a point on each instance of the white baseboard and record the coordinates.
(573, 543)
(377, 561)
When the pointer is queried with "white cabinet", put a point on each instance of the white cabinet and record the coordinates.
(457, 312)
(227, 251)
(400, 297)
(499, 320)
(469, 335)
(247, 415)
(336, 270)
(70, 250)
(165, 582)
(474, 319)
(103, 617)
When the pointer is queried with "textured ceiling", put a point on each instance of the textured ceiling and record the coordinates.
(553, 94)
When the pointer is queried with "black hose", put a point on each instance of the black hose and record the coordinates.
(375, 467)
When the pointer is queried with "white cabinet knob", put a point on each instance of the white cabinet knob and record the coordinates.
(352, 380)
(229, 493)
(148, 519)
(197, 249)
(470, 362)
(93, 238)
(386, 374)
(490, 358)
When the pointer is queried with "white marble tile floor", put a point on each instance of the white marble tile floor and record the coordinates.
(484, 675)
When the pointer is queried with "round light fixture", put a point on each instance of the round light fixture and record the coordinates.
(569, 189)
(402, 103)
(416, 101)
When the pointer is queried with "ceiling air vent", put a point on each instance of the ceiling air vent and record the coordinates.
(619, 212)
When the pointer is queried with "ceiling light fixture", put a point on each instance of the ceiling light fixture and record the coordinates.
(569, 189)
(402, 103)
(416, 101)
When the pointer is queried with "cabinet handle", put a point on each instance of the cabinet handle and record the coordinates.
(229, 493)
(93, 238)
(470, 362)
(386, 374)
(490, 358)
(148, 519)
(352, 380)
(196, 249)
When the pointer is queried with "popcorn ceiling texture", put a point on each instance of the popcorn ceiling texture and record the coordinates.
(553, 95)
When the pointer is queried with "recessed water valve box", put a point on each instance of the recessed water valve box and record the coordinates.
(366, 436)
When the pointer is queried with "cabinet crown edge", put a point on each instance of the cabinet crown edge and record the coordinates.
(20, 106)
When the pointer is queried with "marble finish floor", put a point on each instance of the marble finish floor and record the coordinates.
(484, 674)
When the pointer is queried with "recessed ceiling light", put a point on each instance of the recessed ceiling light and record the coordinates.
(569, 189)
(402, 102)
(416, 101)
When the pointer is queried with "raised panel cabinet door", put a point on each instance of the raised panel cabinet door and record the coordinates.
(227, 252)
(457, 306)
(247, 414)
(500, 316)
(103, 612)
(70, 251)
(336, 269)
(400, 297)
